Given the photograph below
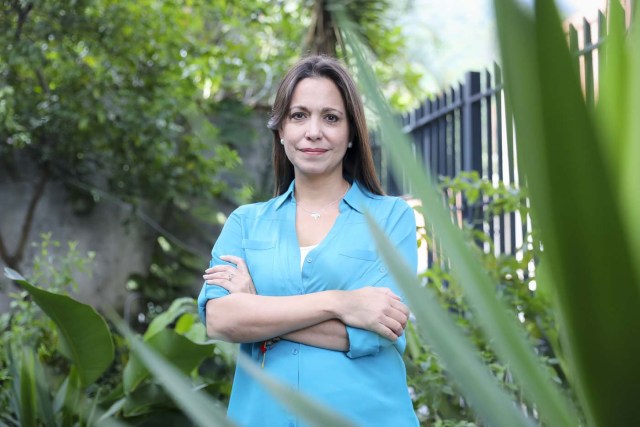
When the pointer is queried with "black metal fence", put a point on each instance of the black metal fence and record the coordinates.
(469, 127)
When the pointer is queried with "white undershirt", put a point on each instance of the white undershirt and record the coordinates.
(304, 251)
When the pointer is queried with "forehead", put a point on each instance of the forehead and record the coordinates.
(317, 91)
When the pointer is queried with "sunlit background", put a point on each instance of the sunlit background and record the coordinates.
(451, 37)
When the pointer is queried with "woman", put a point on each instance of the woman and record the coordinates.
(296, 279)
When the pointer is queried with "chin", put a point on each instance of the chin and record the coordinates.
(316, 168)
(308, 169)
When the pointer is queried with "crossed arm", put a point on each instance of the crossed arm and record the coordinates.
(317, 319)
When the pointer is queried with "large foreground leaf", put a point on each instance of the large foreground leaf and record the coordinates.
(575, 204)
(630, 175)
(460, 358)
(197, 405)
(183, 353)
(500, 326)
(84, 332)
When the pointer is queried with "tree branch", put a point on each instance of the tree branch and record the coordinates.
(43, 82)
(28, 220)
(13, 260)
(4, 254)
(22, 17)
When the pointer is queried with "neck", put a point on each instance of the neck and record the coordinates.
(320, 191)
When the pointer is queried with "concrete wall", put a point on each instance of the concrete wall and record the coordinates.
(120, 250)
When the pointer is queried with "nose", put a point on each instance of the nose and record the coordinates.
(314, 131)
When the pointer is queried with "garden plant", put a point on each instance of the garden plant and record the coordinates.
(581, 185)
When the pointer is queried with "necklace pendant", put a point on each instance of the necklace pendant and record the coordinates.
(315, 215)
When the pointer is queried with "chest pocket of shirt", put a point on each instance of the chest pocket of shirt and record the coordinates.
(259, 258)
(364, 267)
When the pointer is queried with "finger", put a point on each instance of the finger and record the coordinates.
(398, 313)
(223, 275)
(401, 307)
(231, 287)
(385, 332)
(221, 267)
(390, 293)
(398, 316)
(217, 282)
(394, 325)
(239, 262)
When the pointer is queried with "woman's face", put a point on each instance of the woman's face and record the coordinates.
(316, 129)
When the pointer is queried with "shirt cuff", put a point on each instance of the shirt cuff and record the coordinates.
(366, 343)
(206, 293)
(362, 342)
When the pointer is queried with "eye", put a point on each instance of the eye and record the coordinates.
(332, 118)
(298, 115)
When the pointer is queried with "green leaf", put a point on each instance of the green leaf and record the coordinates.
(200, 408)
(614, 92)
(630, 173)
(28, 390)
(501, 327)
(177, 308)
(461, 359)
(84, 332)
(183, 353)
(191, 327)
(576, 205)
(45, 403)
(145, 399)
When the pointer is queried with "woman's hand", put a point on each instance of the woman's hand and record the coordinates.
(234, 279)
(375, 309)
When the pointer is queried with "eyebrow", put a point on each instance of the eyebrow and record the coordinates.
(324, 110)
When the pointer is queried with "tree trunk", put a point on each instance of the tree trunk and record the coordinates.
(13, 260)
(321, 38)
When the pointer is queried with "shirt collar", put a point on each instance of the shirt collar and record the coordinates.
(356, 197)
(284, 196)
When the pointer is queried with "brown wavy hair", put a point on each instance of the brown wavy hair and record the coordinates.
(357, 164)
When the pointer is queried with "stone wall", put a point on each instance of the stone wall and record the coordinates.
(120, 249)
(123, 243)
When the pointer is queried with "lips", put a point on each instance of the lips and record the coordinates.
(313, 150)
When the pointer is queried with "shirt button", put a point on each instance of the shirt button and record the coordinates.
(294, 351)
(383, 270)
(309, 259)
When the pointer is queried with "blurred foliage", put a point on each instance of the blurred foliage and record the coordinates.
(437, 398)
(376, 24)
(42, 381)
(55, 269)
(116, 91)
(110, 91)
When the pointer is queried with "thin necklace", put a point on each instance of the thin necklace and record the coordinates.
(316, 214)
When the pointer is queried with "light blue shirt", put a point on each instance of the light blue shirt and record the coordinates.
(367, 383)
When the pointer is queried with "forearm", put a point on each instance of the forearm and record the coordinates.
(330, 334)
(250, 318)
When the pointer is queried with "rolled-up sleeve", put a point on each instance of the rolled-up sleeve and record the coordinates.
(228, 243)
(400, 228)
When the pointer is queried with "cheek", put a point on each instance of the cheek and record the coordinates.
(287, 150)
